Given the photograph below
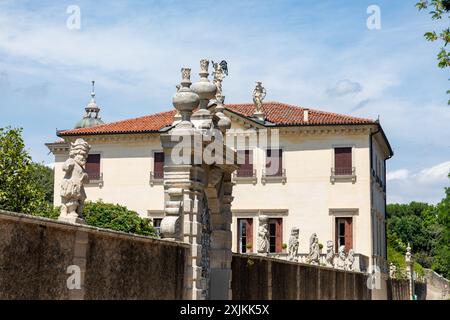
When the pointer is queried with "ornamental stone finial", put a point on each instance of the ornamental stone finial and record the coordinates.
(206, 91)
(184, 100)
(72, 187)
(204, 88)
(259, 93)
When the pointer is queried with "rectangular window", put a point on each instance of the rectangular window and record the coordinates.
(158, 165)
(274, 162)
(157, 224)
(246, 169)
(93, 166)
(245, 235)
(344, 233)
(275, 235)
(343, 161)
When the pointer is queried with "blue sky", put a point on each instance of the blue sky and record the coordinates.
(318, 54)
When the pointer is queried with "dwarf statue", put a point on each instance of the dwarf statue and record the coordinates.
(330, 253)
(350, 260)
(314, 250)
(340, 264)
(392, 271)
(72, 186)
(293, 244)
(263, 235)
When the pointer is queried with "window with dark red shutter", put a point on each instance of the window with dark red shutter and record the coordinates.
(276, 235)
(344, 233)
(274, 162)
(93, 166)
(246, 169)
(158, 165)
(343, 161)
(245, 235)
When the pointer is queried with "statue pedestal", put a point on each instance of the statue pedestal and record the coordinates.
(69, 219)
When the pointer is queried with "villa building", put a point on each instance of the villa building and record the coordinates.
(330, 177)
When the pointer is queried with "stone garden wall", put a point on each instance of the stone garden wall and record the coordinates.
(255, 277)
(35, 254)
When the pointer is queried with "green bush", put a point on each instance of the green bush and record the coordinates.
(117, 217)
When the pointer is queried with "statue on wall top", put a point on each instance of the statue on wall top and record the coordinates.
(392, 271)
(330, 254)
(408, 255)
(293, 244)
(341, 258)
(350, 260)
(263, 235)
(314, 250)
(72, 187)
(259, 93)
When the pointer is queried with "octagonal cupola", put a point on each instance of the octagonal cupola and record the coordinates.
(91, 117)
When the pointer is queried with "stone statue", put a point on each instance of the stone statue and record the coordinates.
(340, 264)
(350, 260)
(330, 253)
(293, 244)
(392, 271)
(314, 250)
(408, 255)
(218, 78)
(259, 93)
(263, 235)
(72, 186)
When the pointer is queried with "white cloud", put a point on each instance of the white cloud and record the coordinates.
(344, 87)
(425, 185)
(400, 174)
(435, 174)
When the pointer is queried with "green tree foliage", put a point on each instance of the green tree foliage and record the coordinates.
(117, 217)
(426, 228)
(19, 189)
(442, 262)
(44, 177)
(438, 9)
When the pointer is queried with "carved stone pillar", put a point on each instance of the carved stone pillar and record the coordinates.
(197, 194)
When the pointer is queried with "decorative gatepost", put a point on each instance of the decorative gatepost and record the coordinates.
(198, 190)
(410, 271)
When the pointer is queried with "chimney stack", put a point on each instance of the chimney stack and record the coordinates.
(305, 115)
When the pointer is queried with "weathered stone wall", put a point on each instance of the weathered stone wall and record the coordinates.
(398, 289)
(255, 277)
(35, 254)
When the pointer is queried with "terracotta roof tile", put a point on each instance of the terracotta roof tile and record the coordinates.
(285, 114)
(280, 114)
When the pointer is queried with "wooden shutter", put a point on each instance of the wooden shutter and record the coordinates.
(274, 157)
(246, 169)
(158, 165)
(348, 234)
(250, 233)
(279, 234)
(343, 161)
(93, 166)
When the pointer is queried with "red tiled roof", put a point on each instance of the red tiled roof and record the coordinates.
(280, 114)
(150, 123)
(284, 114)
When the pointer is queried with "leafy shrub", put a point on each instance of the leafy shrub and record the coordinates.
(117, 217)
